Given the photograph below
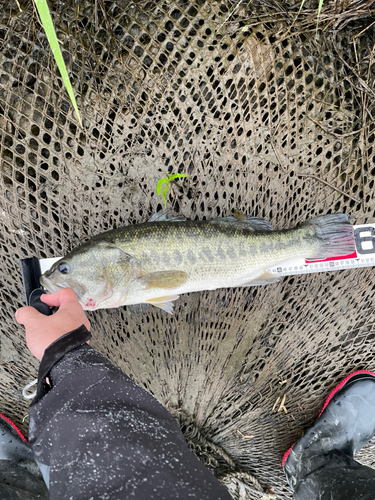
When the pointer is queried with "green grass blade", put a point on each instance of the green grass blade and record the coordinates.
(298, 13)
(319, 10)
(160, 184)
(165, 194)
(47, 23)
(175, 176)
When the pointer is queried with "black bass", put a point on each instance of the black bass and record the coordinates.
(155, 262)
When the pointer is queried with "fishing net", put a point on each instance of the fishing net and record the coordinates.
(273, 120)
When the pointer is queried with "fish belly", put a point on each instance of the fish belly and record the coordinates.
(225, 264)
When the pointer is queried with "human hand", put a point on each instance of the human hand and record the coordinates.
(42, 330)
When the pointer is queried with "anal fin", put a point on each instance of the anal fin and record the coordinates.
(165, 303)
(264, 279)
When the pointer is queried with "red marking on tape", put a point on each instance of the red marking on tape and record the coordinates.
(341, 257)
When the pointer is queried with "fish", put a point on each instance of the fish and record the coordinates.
(156, 261)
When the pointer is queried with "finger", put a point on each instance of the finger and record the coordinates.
(27, 315)
(59, 298)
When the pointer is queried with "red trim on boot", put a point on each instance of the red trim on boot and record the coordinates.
(14, 427)
(340, 386)
(286, 455)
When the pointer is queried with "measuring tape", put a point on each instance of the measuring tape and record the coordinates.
(364, 256)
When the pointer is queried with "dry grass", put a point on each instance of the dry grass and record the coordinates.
(332, 15)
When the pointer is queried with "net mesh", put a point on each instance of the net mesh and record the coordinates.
(208, 89)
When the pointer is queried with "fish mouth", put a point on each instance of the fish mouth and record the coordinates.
(49, 285)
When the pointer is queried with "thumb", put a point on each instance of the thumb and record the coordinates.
(57, 299)
(27, 315)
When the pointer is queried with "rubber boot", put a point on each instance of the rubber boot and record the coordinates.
(20, 477)
(321, 465)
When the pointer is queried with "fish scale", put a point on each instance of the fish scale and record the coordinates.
(155, 262)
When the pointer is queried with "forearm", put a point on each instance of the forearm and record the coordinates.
(101, 434)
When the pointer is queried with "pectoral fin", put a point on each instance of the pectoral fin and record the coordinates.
(165, 303)
(163, 279)
(265, 279)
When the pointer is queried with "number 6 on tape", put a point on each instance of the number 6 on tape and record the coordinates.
(365, 244)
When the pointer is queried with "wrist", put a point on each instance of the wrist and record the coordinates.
(55, 352)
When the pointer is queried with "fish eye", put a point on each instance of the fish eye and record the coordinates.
(64, 268)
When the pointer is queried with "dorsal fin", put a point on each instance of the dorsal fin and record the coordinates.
(166, 215)
(253, 223)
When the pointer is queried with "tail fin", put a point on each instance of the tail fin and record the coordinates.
(335, 235)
